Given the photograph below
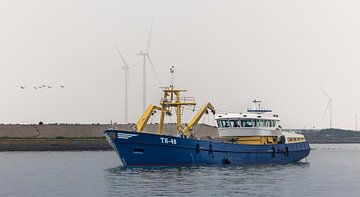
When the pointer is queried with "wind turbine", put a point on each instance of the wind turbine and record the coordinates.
(126, 68)
(146, 57)
(328, 106)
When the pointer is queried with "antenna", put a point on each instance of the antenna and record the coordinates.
(257, 107)
(146, 57)
(172, 77)
(328, 106)
(126, 68)
(257, 104)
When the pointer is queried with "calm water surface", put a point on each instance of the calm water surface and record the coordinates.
(332, 170)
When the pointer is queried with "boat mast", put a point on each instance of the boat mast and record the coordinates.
(172, 99)
(172, 77)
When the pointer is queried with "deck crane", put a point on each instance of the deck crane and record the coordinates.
(172, 99)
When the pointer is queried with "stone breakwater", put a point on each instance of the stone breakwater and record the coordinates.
(52, 131)
(57, 131)
(73, 137)
(54, 145)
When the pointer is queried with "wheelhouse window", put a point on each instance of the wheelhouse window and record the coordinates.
(234, 123)
(223, 123)
(264, 123)
(273, 123)
(256, 123)
(260, 123)
(267, 123)
(247, 123)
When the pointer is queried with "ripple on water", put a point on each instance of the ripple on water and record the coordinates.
(202, 180)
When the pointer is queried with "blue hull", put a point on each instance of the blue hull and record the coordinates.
(143, 149)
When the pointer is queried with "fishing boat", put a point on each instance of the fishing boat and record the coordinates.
(254, 137)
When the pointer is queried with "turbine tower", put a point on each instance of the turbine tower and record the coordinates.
(328, 106)
(356, 119)
(126, 68)
(146, 57)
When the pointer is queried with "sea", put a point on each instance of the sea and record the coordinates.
(330, 170)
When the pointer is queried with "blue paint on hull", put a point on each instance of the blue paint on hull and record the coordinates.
(143, 149)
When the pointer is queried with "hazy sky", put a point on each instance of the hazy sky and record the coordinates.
(226, 52)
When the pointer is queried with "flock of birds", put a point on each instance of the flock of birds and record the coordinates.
(43, 86)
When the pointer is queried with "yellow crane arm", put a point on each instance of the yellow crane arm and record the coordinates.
(187, 130)
(141, 123)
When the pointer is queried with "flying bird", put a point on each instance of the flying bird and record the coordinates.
(62, 86)
(35, 88)
(49, 86)
(22, 87)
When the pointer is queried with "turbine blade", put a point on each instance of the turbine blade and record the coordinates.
(154, 70)
(122, 58)
(327, 107)
(322, 89)
(149, 38)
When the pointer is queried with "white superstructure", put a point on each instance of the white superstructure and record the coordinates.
(255, 122)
